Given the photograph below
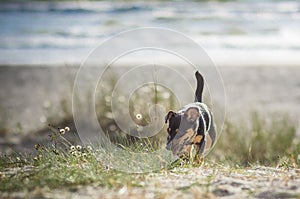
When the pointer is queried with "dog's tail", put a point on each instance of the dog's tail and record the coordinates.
(199, 89)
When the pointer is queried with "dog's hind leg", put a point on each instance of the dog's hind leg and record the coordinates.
(199, 89)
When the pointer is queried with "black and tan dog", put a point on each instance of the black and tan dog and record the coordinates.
(191, 130)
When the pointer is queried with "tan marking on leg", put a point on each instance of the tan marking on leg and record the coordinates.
(198, 139)
(189, 132)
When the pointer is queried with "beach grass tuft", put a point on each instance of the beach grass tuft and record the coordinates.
(270, 141)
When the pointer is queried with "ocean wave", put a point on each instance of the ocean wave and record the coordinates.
(232, 26)
(71, 8)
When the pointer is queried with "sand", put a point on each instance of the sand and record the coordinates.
(191, 183)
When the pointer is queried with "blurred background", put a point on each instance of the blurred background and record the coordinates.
(241, 32)
(255, 44)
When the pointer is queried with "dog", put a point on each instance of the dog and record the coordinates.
(191, 130)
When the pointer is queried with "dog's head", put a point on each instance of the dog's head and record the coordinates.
(181, 121)
(182, 130)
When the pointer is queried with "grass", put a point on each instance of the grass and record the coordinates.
(63, 165)
(270, 141)
(266, 141)
(57, 169)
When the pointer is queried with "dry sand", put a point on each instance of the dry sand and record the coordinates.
(191, 183)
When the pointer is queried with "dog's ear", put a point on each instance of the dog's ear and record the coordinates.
(200, 86)
(169, 116)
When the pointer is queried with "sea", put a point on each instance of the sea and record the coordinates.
(240, 33)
